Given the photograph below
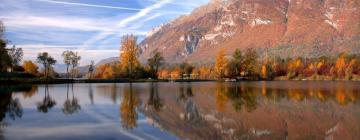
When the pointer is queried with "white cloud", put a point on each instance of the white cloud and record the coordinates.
(144, 12)
(65, 22)
(89, 5)
(32, 50)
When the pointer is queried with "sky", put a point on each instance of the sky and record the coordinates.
(91, 27)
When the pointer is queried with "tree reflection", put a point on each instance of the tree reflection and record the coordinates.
(47, 102)
(128, 108)
(220, 97)
(91, 94)
(8, 106)
(238, 94)
(185, 91)
(154, 99)
(71, 106)
(31, 92)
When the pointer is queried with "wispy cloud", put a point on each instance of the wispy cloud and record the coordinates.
(72, 23)
(91, 28)
(89, 5)
(32, 50)
(125, 22)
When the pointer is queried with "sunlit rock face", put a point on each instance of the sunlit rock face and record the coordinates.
(256, 110)
(312, 27)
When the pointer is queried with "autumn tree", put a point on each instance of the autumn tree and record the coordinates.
(67, 55)
(128, 57)
(236, 64)
(205, 72)
(250, 62)
(91, 69)
(105, 71)
(30, 67)
(295, 67)
(221, 64)
(164, 74)
(75, 62)
(16, 55)
(353, 64)
(340, 65)
(108, 72)
(5, 59)
(154, 63)
(266, 71)
(186, 69)
(47, 61)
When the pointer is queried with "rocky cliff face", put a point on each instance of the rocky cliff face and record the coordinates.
(289, 28)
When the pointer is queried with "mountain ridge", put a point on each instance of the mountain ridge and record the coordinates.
(286, 28)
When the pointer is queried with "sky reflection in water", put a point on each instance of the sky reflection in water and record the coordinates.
(204, 110)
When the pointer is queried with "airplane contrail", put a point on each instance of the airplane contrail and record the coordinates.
(90, 5)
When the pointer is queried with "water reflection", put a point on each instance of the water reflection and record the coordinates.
(205, 110)
(47, 103)
(91, 94)
(128, 107)
(72, 105)
(10, 106)
(154, 101)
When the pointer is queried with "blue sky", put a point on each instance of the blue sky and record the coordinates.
(91, 27)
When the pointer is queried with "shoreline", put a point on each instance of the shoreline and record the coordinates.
(15, 81)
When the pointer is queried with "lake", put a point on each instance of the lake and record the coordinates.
(199, 110)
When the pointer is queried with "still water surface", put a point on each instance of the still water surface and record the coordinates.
(203, 110)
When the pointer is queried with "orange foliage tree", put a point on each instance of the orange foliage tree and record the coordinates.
(128, 56)
(221, 64)
(340, 65)
(30, 67)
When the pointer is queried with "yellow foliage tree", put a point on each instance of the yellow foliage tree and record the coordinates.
(108, 72)
(175, 74)
(264, 72)
(221, 64)
(205, 73)
(105, 71)
(30, 67)
(163, 74)
(295, 67)
(340, 65)
(128, 56)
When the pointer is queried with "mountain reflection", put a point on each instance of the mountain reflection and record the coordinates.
(204, 110)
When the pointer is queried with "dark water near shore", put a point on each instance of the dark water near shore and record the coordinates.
(201, 110)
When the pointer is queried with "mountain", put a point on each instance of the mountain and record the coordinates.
(287, 28)
(107, 61)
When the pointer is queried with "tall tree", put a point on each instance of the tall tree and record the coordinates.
(67, 55)
(91, 68)
(155, 62)
(75, 62)
(128, 56)
(5, 59)
(250, 62)
(236, 63)
(47, 61)
(186, 69)
(221, 64)
(16, 55)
